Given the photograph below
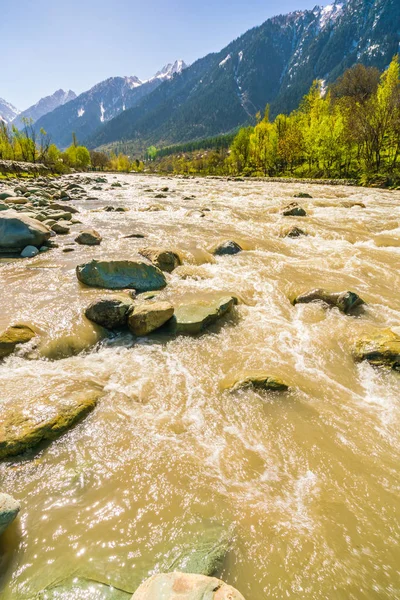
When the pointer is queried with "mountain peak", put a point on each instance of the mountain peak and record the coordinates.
(170, 69)
(8, 112)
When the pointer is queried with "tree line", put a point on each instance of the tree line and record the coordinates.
(350, 130)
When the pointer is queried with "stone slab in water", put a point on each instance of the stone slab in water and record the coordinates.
(121, 274)
(185, 586)
(24, 424)
(9, 509)
(191, 319)
(150, 316)
(344, 301)
(110, 312)
(12, 336)
(256, 380)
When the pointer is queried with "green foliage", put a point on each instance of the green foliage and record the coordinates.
(351, 131)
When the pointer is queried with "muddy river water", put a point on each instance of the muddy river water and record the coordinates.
(306, 482)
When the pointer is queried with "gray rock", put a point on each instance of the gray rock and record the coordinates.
(17, 231)
(61, 227)
(150, 316)
(88, 237)
(29, 252)
(228, 247)
(111, 312)
(121, 274)
(166, 260)
(294, 210)
(9, 509)
(344, 301)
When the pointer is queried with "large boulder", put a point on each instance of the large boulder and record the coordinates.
(24, 425)
(12, 336)
(120, 274)
(18, 231)
(166, 260)
(381, 349)
(88, 237)
(344, 301)
(111, 312)
(257, 380)
(185, 586)
(150, 316)
(191, 319)
(9, 508)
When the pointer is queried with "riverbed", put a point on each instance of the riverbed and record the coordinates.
(305, 483)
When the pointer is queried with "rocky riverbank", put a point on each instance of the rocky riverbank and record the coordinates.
(154, 320)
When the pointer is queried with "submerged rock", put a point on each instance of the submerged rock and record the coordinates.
(302, 195)
(110, 313)
(293, 232)
(344, 301)
(166, 260)
(228, 247)
(185, 586)
(148, 317)
(380, 349)
(191, 319)
(79, 588)
(12, 336)
(121, 274)
(294, 210)
(24, 425)
(257, 380)
(88, 237)
(9, 509)
(17, 231)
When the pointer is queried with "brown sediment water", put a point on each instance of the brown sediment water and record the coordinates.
(307, 480)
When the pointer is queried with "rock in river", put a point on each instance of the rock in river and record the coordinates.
(191, 319)
(30, 251)
(380, 349)
(185, 586)
(88, 237)
(294, 210)
(344, 301)
(25, 424)
(166, 260)
(12, 336)
(111, 312)
(258, 380)
(120, 274)
(228, 247)
(9, 508)
(150, 316)
(17, 231)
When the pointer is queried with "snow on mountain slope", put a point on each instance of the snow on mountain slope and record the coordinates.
(44, 106)
(8, 112)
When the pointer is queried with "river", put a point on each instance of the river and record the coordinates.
(306, 482)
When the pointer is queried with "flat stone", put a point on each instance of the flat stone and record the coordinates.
(185, 586)
(9, 509)
(60, 227)
(166, 260)
(381, 349)
(110, 312)
(88, 237)
(344, 301)
(12, 336)
(16, 200)
(24, 425)
(148, 317)
(192, 319)
(121, 274)
(257, 380)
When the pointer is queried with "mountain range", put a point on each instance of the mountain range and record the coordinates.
(274, 63)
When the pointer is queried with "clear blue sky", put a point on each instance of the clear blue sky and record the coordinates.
(73, 44)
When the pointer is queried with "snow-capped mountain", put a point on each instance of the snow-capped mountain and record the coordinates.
(44, 106)
(274, 64)
(8, 112)
(104, 101)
